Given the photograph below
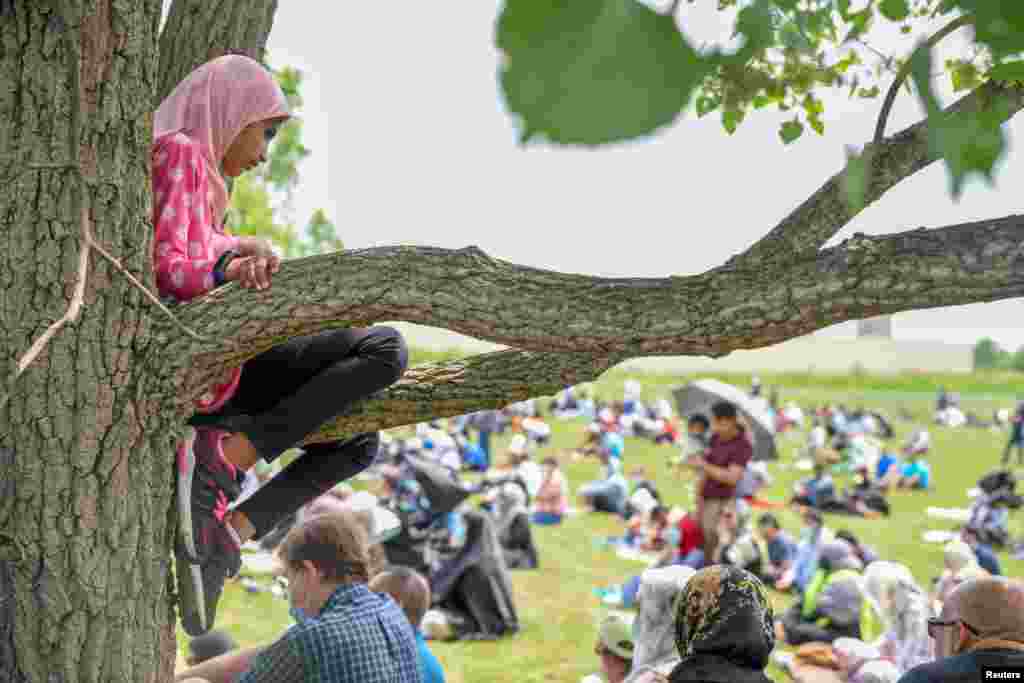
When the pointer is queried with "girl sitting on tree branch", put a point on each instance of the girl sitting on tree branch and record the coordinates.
(220, 120)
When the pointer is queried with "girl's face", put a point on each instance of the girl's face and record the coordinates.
(249, 149)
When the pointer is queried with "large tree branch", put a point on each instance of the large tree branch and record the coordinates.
(862, 277)
(826, 212)
(571, 316)
(200, 30)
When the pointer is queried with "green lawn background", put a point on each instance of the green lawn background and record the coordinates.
(557, 609)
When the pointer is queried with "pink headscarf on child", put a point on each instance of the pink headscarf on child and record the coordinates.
(213, 105)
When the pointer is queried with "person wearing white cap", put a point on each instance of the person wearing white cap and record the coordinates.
(614, 647)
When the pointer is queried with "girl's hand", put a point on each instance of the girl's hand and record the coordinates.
(253, 272)
(254, 246)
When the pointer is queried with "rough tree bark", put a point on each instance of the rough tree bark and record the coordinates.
(200, 30)
(85, 469)
(86, 519)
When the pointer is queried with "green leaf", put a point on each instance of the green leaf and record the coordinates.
(869, 93)
(969, 142)
(860, 22)
(921, 72)
(755, 23)
(731, 119)
(999, 24)
(817, 124)
(812, 105)
(894, 10)
(856, 179)
(791, 37)
(851, 59)
(590, 72)
(706, 105)
(963, 75)
(1008, 72)
(791, 130)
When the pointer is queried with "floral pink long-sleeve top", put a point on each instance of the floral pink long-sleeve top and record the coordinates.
(187, 243)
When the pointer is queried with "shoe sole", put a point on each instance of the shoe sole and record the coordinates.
(190, 574)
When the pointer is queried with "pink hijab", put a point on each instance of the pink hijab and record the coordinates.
(213, 105)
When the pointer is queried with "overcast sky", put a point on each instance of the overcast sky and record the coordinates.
(411, 145)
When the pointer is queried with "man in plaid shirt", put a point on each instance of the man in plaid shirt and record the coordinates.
(344, 633)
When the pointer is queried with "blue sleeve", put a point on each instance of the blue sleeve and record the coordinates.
(432, 671)
(988, 561)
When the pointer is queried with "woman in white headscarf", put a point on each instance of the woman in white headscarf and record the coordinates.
(903, 607)
(654, 631)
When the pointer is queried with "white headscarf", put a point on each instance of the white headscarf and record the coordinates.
(904, 609)
(654, 632)
(878, 576)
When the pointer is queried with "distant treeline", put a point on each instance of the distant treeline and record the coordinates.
(998, 382)
(988, 355)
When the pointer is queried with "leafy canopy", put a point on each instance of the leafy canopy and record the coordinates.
(592, 72)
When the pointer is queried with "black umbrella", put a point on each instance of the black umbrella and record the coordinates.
(698, 397)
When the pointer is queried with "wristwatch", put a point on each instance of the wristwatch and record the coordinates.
(220, 269)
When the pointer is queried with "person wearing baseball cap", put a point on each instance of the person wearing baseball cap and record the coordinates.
(614, 647)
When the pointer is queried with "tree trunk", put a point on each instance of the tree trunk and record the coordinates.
(85, 453)
(200, 30)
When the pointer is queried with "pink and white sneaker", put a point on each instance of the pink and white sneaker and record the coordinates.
(207, 550)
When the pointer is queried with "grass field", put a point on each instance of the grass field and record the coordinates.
(557, 609)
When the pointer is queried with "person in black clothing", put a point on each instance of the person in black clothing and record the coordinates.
(981, 626)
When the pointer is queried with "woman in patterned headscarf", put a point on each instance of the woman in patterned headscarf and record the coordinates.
(724, 628)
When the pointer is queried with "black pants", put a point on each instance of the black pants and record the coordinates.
(799, 631)
(288, 392)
